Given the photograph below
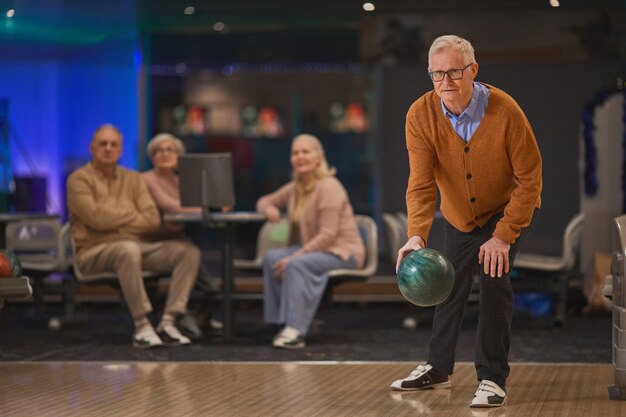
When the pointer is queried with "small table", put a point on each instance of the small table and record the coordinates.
(16, 217)
(227, 221)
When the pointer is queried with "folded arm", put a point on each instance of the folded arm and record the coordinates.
(103, 214)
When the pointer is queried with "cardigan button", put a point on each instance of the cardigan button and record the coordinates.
(468, 176)
(472, 199)
(466, 149)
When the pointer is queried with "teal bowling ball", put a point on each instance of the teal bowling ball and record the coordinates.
(425, 277)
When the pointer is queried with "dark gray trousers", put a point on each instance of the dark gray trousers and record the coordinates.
(493, 335)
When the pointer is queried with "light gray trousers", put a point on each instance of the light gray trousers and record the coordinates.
(127, 258)
(294, 300)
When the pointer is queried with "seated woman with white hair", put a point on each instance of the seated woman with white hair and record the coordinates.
(163, 184)
(164, 149)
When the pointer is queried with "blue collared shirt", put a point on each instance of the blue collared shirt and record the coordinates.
(466, 124)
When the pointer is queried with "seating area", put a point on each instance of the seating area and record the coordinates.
(42, 246)
(45, 249)
(347, 285)
(552, 274)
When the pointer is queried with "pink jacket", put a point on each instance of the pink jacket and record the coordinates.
(327, 222)
(165, 191)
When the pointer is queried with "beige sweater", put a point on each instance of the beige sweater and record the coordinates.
(106, 209)
(327, 220)
(499, 169)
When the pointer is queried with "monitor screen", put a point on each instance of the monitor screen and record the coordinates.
(206, 180)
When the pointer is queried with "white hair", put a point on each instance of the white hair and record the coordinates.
(453, 42)
(158, 139)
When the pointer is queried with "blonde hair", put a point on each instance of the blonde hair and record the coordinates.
(453, 42)
(323, 170)
(160, 138)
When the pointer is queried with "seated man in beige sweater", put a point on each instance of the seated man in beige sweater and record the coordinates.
(111, 215)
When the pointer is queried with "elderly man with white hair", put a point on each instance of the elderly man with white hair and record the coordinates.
(470, 143)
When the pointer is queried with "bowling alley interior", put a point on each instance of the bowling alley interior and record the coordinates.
(238, 97)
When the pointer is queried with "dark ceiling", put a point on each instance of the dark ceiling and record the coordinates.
(43, 28)
(108, 16)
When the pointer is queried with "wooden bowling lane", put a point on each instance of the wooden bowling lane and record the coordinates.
(290, 389)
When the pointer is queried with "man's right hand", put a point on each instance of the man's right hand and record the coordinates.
(414, 243)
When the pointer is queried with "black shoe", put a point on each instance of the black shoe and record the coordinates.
(188, 326)
(422, 377)
(204, 283)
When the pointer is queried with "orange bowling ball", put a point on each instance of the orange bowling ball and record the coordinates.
(14, 264)
(5, 266)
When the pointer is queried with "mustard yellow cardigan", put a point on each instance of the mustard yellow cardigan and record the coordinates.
(499, 169)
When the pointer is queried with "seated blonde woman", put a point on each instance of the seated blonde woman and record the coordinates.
(163, 184)
(323, 236)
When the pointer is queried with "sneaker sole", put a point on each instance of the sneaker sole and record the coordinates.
(489, 405)
(175, 344)
(290, 347)
(142, 346)
(191, 335)
(441, 385)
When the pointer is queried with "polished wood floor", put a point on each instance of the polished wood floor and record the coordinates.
(303, 389)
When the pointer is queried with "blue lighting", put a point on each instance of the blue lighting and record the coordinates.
(55, 105)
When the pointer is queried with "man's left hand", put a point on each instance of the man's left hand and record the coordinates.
(494, 256)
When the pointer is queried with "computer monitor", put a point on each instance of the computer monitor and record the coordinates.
(206, 180)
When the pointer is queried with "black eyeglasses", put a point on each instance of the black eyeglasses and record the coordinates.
(453, 74)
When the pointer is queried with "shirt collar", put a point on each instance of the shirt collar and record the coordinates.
(469, 110)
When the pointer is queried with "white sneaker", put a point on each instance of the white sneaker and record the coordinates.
(171, 336)
(488, 394)
(289, 338)
(216, 325)
(422, 377)
(409, 323)
(146, 338)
